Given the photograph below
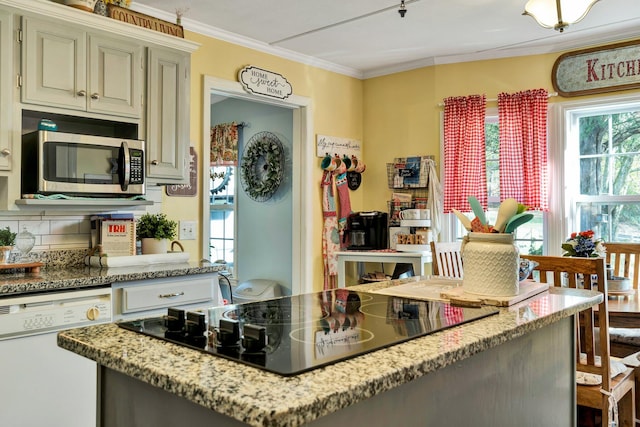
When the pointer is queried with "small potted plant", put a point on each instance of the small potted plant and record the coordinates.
(155, 231)
(7, 240)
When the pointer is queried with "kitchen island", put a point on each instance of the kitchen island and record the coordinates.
(513, 368)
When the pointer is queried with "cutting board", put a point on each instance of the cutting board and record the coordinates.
(133, 260)
(527, 289)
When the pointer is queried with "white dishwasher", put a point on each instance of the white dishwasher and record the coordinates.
(40, 383)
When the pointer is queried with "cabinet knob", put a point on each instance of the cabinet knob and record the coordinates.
(95, 96)
(93, 313)
(154, 162)
(82, 93)
(5, 152)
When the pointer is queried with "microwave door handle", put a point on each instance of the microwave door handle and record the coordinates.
(125, 166)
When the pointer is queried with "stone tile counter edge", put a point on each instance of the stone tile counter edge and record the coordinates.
(257, 397)
(81, 276)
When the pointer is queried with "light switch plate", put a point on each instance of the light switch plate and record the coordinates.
(187, 230)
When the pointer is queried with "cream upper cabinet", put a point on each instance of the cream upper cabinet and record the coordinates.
(6, 52)
(70, 68)
(167, 115)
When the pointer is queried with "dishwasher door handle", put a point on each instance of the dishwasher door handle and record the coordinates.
(173, 295)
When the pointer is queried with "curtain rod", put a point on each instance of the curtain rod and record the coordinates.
(549, 95)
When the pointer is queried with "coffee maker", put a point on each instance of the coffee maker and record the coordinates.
(366, 231)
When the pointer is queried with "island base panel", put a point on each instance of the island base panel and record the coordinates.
(529, 382)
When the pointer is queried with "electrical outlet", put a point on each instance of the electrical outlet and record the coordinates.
(188, 230)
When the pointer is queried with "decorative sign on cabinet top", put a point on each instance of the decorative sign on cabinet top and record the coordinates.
(265, 83)
(597, 70)
(145, 21)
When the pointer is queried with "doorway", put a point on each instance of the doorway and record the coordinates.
(251, 246)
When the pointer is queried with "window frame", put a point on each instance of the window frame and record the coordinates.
(572, 113)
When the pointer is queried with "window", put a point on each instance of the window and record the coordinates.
(602, 170)
(222, 213)
(529, 236)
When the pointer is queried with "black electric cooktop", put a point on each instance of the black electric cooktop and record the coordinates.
(295, 334)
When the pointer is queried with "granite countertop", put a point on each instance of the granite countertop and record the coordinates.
(79, 277)
(261, 398)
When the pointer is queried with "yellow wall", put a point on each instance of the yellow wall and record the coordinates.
(337, 111)
(394, 116)
(402, 112)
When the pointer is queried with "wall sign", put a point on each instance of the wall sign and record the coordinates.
(597, 70)
(190, 189)
(341, 146)
(145, 21)
(265, 83)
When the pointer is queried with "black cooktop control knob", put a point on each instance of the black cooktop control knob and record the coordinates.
(255, 337)
(228, 332)
(196, 327)
(175, 323)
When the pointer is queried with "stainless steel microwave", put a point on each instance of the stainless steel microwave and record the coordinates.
(81, 165)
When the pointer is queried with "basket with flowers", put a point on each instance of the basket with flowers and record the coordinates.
(585, 245)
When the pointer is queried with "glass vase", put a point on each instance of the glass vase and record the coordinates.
(25, 241)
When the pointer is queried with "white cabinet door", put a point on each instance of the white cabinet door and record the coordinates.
(69, 68)
(6, 44)
(167, 115)
(116, 76)
(53, 65)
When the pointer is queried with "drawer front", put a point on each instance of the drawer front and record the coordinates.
(174, 293)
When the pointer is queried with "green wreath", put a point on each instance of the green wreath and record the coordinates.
(262, 167)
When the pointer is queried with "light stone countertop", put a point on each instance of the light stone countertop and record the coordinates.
(47, 280)
(261, 398)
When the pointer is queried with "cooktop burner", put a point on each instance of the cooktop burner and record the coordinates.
(295, 334)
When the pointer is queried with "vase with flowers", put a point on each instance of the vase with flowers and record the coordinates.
(584, 244)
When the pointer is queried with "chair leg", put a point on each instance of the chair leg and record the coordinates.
(626, 410)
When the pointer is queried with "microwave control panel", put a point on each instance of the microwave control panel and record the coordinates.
(136, 167)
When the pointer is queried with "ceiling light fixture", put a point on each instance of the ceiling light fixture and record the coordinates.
(403, 10)
(558, 14)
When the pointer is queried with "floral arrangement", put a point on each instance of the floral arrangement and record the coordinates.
(584, 245)
(121, 3)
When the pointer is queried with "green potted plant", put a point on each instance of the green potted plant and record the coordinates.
(7, 240)
(154, 232)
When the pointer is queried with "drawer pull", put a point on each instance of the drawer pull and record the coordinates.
(173, 295)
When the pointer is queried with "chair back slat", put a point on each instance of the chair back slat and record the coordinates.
(446, 259)
(592, 338)
(625, 260)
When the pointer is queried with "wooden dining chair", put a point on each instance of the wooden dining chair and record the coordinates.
(446, 259)
(617, 386)
(624, 258)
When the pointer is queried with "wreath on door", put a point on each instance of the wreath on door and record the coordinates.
(262, 166)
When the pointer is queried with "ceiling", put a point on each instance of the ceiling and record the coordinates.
(366, 38)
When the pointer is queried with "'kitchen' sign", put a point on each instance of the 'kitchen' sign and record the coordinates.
(597, 70)
(266, 83)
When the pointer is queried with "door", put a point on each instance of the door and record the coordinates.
(302, 161)
(6, 87)
(116, 76)
(53, 65)
(167, 121)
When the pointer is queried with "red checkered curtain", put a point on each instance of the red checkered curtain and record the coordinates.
(224, 145)
(523, 148)
(464, 152)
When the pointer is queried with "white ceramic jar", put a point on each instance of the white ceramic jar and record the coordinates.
(491, 264)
